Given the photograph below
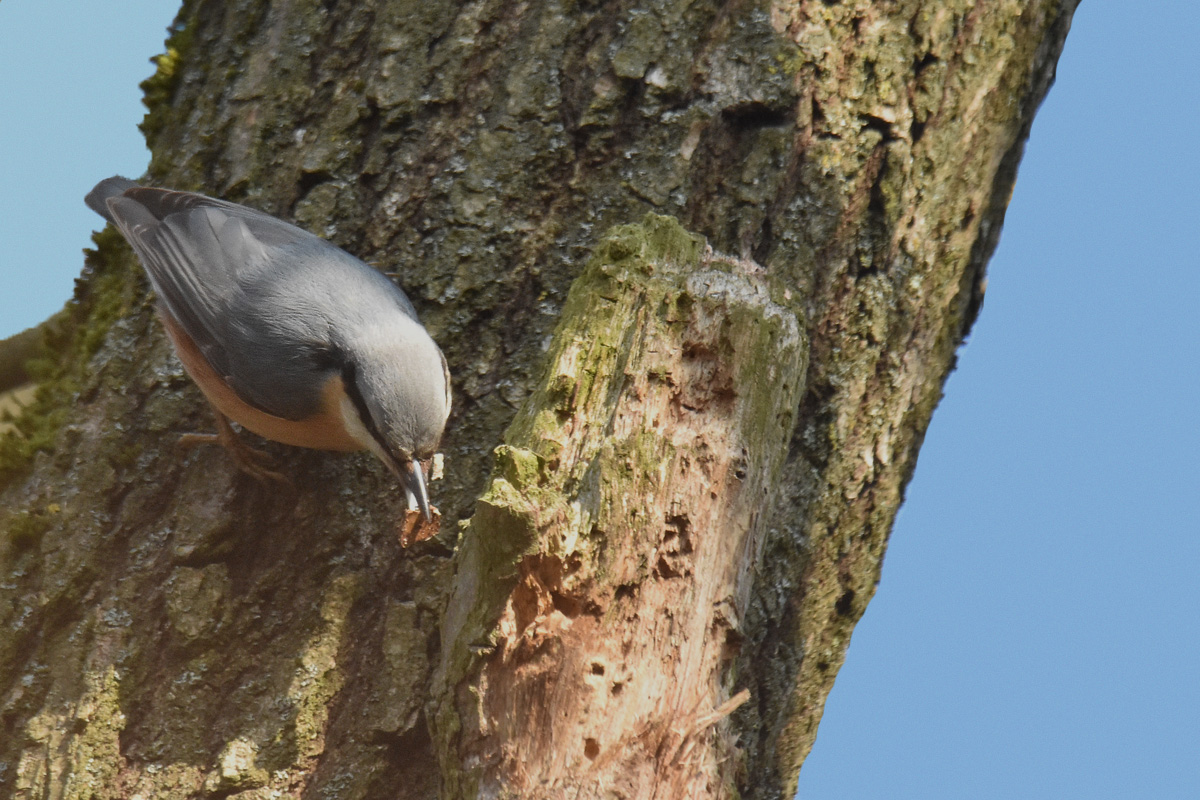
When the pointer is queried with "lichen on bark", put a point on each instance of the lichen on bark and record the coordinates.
(859, 154)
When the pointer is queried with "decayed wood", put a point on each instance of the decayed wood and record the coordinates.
(635, 477)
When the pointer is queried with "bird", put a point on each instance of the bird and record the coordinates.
(286, 334)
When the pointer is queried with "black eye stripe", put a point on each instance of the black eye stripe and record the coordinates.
(350, 380)
(327, 357)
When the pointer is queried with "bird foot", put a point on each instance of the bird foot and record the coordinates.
(247, 459)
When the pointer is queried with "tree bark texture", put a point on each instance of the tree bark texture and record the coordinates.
(700, 270)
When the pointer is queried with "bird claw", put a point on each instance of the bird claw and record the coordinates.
(247, 459)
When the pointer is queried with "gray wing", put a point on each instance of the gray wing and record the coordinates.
(257, 295)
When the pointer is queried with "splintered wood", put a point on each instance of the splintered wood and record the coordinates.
(414, 528)
(642, 471)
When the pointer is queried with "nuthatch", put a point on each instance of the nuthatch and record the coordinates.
(286, 334)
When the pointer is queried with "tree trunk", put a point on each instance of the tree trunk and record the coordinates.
(696, 446)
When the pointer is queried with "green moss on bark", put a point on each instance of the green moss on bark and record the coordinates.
(477, 150)
(61, 367)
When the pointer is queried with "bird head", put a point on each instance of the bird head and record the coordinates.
(397, 400)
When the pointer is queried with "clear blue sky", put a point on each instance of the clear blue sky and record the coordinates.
(1037, 630)
(69, 109)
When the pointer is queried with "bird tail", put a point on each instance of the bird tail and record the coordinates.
(97, 198)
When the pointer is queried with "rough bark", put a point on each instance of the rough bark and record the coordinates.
(705, 449)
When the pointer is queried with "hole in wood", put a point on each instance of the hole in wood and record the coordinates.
(591, 748)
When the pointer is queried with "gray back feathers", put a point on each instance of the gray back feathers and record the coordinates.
(275, 309)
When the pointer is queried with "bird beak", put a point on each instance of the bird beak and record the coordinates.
(412, 476)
